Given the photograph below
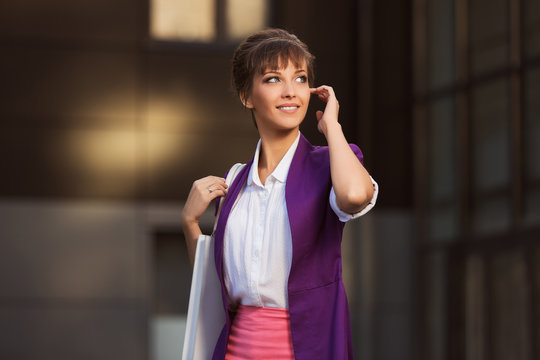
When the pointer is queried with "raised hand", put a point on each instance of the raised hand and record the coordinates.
(329, 116)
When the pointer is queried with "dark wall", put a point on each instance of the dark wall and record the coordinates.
(330, 32)
(363, 50)
(392, 112)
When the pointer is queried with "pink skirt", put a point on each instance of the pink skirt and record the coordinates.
(260, 333)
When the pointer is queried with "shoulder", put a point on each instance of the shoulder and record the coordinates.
(321, 153)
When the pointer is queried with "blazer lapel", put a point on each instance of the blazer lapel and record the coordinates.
(228, 203)
(295, 194)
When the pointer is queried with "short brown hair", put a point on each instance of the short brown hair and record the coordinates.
(268, 49)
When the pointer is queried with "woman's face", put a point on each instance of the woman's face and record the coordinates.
(279, 98)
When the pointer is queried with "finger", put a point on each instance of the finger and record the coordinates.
(325, 94)
(216, 182)
(216, 193)
(214, 179)
(323, 98)
(328, 92)
(217, 187)
(321, 89)
(219, 184)
(318, 91)
(205, 188)
(319, 115)
(209, 180)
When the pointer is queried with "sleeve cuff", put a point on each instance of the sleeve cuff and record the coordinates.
(344, 216)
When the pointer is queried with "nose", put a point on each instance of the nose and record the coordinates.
(288, 90)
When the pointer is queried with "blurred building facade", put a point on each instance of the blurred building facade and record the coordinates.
(108, 118)
(477, 124)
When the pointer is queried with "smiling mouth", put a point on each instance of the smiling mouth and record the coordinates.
(288, 107)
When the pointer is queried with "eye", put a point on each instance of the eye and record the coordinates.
(301, 79)
(272, 79)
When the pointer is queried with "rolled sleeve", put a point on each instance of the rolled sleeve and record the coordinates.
(344, 216)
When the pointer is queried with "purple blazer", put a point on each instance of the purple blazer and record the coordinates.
(319, 312)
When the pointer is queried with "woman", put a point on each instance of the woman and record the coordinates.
(277, 240)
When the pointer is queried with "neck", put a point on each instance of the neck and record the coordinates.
(273, 148)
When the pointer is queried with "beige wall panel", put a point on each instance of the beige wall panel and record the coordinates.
(83, 331)
(61, 251)
(73, 20)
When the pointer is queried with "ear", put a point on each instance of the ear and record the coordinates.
(246, 101)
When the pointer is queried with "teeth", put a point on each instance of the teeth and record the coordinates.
(287, 107)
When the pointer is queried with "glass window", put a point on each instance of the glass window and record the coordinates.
(245, 17)
(531, 135)
(490, 136)
(490, 156)
(442, 150)
(491, 215)
(197, 20)
(531, 19)
(510, 307)
(532, 124)
(437, 305)
(532, 206)
(489, 44)
(186, 20)
(441, 59)
(443, 222)
(475, 331)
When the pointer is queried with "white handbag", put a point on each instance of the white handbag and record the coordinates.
(206, 315)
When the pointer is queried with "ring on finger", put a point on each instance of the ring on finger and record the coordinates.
(210, 189)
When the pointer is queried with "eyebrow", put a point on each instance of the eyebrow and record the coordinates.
(275, 71)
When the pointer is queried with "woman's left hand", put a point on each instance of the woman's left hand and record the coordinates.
(330, 115)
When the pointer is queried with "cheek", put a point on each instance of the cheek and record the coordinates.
(306, 95)
(264, 97)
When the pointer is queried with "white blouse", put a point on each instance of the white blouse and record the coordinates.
(258, 243)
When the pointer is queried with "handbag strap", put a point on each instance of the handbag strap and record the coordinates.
(231, 175)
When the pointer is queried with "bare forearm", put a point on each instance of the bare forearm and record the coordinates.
(351, 181)
(191, 234)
